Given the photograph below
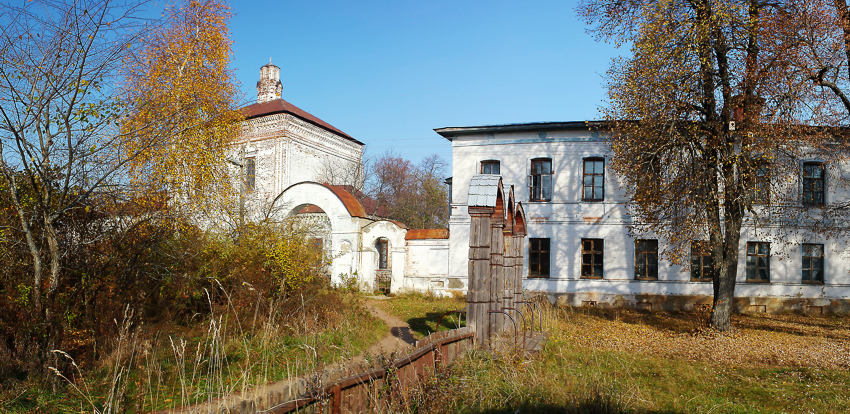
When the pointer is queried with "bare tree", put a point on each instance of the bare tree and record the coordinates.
(64, 133)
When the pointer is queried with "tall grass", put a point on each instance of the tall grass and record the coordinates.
(228, 352)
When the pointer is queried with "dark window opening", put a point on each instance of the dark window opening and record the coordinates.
(813, 184)
(538, 257)
(702, 266)
(382, 245)
(541, 180)
(250, 173)
(646, 259)
(758, 262)
(812, 263)
(593, 184)
(592, 251)
(490, 167)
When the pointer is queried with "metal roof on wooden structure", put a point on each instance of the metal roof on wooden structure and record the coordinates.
(483, 190)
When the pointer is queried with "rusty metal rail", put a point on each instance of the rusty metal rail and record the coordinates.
(352, 394)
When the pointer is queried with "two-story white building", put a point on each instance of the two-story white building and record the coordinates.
(579, 248)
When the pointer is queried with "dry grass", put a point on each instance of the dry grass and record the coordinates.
(172, 366)
(613, 361)
(757, 340)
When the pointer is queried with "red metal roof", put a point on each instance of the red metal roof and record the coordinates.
(419, 234)
(277, 106)
(355, 209)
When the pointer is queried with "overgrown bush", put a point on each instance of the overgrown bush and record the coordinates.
(163, 269)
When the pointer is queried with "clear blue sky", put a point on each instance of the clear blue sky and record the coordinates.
(389, 72)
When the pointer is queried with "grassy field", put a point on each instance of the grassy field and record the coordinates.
(169, 366)
(630, 361)
(423, 312)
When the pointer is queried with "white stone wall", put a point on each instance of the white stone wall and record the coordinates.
(427, 267)
(566, 219)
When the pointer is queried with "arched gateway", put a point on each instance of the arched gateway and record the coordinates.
(352, 247)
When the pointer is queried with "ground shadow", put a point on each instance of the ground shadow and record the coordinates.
(428, 325)
(587, 407)
(403, 333)
(681, 322)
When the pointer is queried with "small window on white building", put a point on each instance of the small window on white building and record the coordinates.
(540, 181)
(490, 167)
(382, 246)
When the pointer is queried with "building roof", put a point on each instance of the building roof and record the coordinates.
(483, 190)
(355, 209)
(277, 106)
(451, 132)
(420, 234)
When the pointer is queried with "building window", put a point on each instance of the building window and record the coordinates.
(541, 180)
(382, 246)
(490, 167)
(758, 262)
(762, 184)
(593, 186)
(812, 263)
(538, 257)
(250, 173)
(646, 259)
(591, 258)
(702, 266)
(813, 184)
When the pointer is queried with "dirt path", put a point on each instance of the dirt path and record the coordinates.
(399, 337)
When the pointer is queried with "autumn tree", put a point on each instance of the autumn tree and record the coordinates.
(708, 121)
(70, 131)
(413, 194)
(184, 110)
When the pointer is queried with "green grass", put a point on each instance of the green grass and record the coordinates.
(246, 358)
(423, 312)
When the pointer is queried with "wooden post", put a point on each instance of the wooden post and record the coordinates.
(497, 251)
(478, 289)
(519, 256)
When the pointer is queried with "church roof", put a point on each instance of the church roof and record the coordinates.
(277, 106)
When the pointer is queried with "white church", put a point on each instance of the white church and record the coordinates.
(295, 164)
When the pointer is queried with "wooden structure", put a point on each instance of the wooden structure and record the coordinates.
(365, 392)
(496, 233)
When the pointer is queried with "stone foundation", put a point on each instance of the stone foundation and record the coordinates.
(700, 302)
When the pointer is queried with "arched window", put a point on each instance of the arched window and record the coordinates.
(382, 246)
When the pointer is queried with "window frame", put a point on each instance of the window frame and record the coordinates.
(536, 255)
(756, 267)
(597, 251)
(702, 245)
(808, 181)
(250, 173)
(482, 163)
(593, 175)
(811, 267)
(531, 176)
(645, 261)
(382, 245)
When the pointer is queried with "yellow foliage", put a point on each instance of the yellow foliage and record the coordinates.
(185, 113)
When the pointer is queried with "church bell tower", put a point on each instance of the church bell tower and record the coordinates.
(269, 86)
